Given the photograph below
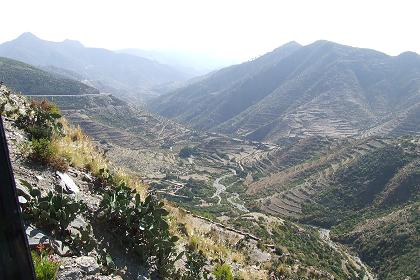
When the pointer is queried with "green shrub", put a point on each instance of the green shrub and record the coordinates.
(41, 120)
(45, 151)
(42, 150)
(194, 266)
(53, 212)
(186, 152)
(142, 227)
(223, 272)
(45, 269)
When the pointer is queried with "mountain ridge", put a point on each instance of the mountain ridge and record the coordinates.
(33, 81)
(122, 74)
(322, 88)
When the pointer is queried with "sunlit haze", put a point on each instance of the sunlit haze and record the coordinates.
(238, 30)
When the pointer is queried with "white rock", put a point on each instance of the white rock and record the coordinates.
(68, 182)
(36, 236)
(88, 264)
(39, 178)
(22, 200)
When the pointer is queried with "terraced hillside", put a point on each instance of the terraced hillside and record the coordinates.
(251, 246)
(289, 188)
(318, 180)
(148, 144)
(322, 89)
(367, 190)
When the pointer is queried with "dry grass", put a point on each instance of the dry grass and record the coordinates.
(80, 151)
(215, 244)
(131, 180)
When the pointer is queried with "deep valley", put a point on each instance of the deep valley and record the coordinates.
(303, 163)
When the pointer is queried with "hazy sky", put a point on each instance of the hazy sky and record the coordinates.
(237, 29)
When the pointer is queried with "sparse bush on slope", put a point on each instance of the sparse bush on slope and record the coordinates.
(41, 122)
(223, 272)
(141, 225)
(45, 268)
(194, 266)
(186, 152)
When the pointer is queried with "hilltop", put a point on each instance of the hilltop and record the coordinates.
(298, 91)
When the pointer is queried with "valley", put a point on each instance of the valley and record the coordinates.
(308, 156)
(224, 178)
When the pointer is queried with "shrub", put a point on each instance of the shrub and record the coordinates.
(45, 151)
(45, 269)
(42, 150)
(53, 212)
(142, 226)
(194, 266)
(186, 152)
(223, 272)
(41, 120)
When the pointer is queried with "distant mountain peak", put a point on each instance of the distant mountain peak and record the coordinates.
(27, 36)
(409, 54)
(326, 43)
(124, 75)
(292, 44)
(73, 43)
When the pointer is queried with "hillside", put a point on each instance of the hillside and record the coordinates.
(296, 91)
(33, 81)
(108, 71)
(367, 191)
(229, 180)
(373, 205)
(108, 226)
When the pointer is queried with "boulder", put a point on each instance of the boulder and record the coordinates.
(36, 237)
(23, 190)
(67, 183)
(88, 264)
(70, 274)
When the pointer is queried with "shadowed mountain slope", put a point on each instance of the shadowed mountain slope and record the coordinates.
(33, 81)
(320, 89)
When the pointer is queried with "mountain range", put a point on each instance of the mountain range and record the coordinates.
(195, 64)
(297, 91)
(319, 165)
(125, 75)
